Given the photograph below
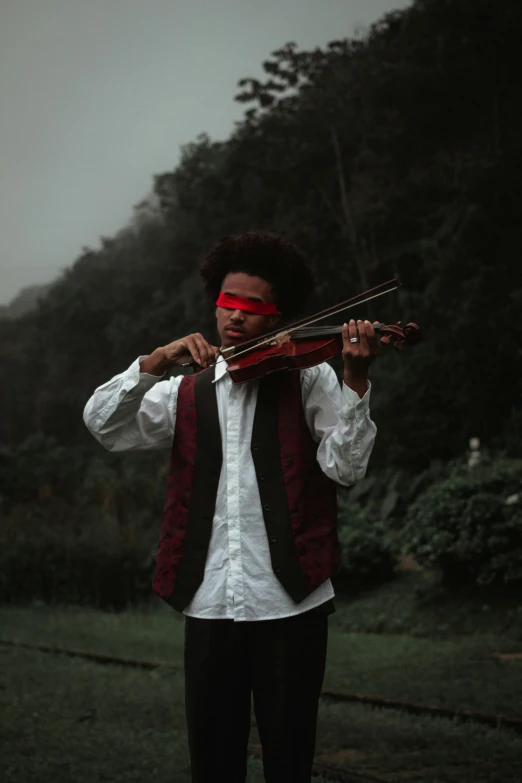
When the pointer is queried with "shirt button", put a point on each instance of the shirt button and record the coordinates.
(232, 490)
(232, 458)
(267, 508)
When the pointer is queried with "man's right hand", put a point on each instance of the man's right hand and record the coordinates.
(193, 348)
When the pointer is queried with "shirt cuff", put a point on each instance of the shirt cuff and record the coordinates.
(143, 379)
(352, 404)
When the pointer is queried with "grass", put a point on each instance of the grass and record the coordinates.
(412, 604)
(447, 669)
(447, 673)
(398, 747)
(69, 720)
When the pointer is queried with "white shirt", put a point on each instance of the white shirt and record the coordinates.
(135, 411)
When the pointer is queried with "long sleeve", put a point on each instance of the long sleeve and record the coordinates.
(133, 411)
(340, 422)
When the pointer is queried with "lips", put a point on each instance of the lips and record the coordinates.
(234, 330)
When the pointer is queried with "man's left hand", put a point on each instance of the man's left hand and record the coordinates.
(358, 356)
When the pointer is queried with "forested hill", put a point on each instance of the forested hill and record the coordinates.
(396, 154)
(25, 301)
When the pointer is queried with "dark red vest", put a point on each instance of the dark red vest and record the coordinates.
(299, 502)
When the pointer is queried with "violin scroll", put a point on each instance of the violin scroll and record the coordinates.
(399, 335)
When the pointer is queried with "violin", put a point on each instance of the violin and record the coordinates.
(306, 347)
(301, 344)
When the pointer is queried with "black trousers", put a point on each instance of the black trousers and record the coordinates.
(281, 663)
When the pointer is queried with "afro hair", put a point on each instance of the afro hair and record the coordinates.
(262, 255)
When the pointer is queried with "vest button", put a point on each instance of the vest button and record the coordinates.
(255, 447)
(273, 540)
(261, 477)
(267, 508)
(277, 570)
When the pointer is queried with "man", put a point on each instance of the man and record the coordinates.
(249, 539)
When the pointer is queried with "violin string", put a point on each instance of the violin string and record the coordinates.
(296, 328)
(324, 330)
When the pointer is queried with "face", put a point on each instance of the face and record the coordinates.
(237, 326)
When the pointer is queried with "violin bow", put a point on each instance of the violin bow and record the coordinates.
(380, 290)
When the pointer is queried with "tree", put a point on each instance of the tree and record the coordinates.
(396, 154)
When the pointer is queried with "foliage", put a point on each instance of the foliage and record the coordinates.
(25, 301)
(41, 470)
(77, 526)
(367, 551)
(87, 560)
(393, 153)
(384, 494)
(37, 468)
(415, 604)
(470, 525)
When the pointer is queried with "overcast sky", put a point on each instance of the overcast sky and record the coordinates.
(96, 96)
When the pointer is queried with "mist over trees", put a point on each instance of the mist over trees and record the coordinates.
(396, 153)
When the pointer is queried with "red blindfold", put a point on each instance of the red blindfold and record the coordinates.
(241, 303)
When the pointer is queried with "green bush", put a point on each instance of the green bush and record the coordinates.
(469, 526)
(368, 555)
(91, 560)
(39, 464)
(76, 525)
(385, 494)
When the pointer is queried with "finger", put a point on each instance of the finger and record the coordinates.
(193, 348)
(349, 332)
(352, 333)
(213, 353)
(371, 334)
(185, 350)
(373, 338)
(205, 351)
(363, 339)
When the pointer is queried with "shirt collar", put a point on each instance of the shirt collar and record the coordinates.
(220, 369)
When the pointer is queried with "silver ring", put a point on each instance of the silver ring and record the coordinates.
(354, 339)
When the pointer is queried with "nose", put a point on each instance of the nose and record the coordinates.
(237, 315)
